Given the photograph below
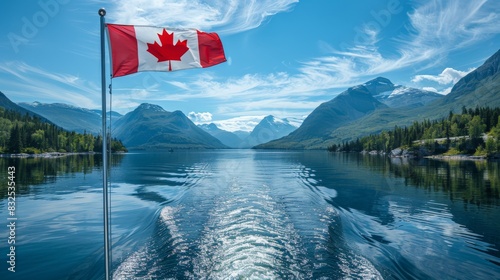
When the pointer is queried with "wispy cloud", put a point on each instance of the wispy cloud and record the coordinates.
(226, 17)
(445, 25)
(50, 87)
(435, 28)
(277, 93)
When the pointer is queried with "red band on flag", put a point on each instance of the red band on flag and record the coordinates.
(123, 44)
(210, 48)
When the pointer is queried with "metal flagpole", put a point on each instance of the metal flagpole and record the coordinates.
(102, 13)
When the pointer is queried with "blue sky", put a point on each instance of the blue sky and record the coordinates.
(285, 57)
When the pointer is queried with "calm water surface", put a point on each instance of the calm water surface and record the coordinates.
(244, 214)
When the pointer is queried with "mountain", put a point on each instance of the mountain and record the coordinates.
(396, 96)
(241, 134)
(346, 118)
(348, 106)
(114, 115)
(151, 127)
(6, 103)
(480, 87)
(269, 128)
(226, 137)
(69, 117)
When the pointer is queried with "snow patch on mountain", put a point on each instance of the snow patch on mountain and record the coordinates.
(150, 107)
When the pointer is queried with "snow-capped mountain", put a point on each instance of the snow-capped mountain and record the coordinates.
(347, 107)
(269, 128)
(396, 96)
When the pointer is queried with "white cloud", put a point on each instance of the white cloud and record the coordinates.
(448, 76)
(246, 123)
(226, 17)
(433, 89)
(49, 87)
(201, 117)
(445, 91)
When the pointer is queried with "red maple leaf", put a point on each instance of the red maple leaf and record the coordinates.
(167, 50)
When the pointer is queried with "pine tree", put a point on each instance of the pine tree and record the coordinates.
(15, 141)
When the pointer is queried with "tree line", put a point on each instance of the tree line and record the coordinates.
(474, 131)
(29, 134)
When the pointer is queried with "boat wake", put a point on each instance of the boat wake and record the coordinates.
(249, 228)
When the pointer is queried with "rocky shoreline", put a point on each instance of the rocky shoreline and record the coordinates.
(458, 157)
(422, 153)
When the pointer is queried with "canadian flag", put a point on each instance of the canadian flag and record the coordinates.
(146, 48)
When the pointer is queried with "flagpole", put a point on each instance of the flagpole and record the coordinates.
(102, 13)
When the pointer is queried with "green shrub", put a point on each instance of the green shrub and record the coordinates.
(31, 150)
(452, 152)
(480, 151)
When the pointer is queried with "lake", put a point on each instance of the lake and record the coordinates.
(246, 214)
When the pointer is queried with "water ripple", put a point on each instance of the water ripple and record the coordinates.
(248, 235)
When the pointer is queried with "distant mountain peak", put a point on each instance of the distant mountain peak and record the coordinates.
(378, 86)
(175, 113)
(270, 119)
(379, 80)
(212, 126)
(209, 126)
(64, 105)
(150, 107)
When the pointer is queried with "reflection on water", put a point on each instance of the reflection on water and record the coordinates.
(35, 170)
(474, 182)
(266, 215)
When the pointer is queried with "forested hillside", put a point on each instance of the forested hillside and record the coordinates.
(29, 134)
(474, 131)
